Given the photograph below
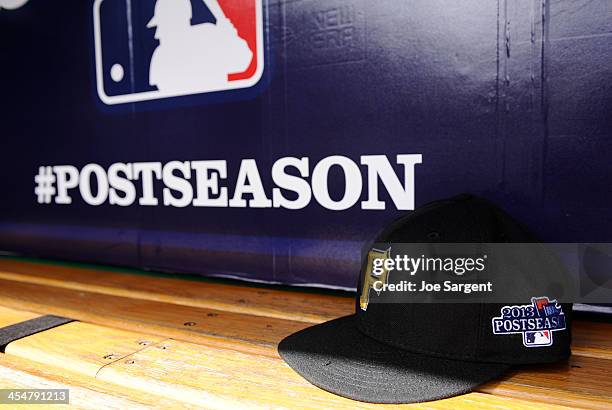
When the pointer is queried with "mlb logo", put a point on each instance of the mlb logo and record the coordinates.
(537, 338)
(151, 49)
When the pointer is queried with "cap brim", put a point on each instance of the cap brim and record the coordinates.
(337, 357)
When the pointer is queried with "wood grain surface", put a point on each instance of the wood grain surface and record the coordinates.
(80, 347)
(198, 375)
(220, 354)
(169, 320)
(165, 319)
(85, 392)
(11, 316)
(292, 305)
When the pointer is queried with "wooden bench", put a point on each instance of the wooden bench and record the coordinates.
(155, 341)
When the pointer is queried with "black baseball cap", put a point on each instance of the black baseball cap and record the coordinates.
(416, 352)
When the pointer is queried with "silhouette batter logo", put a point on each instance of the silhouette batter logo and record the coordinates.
(153, 49)
(12, 4)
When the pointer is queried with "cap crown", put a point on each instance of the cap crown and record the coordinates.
(461, 331)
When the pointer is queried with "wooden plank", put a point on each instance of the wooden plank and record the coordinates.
(479, 401)
(291, 305)
(11, 316)
(16, 379)
(589, 339)
(581, 381)
(244, 333)
(592, 339)
(167, 320)
(80, 347)
(17, 372)
(219, 376)
(85, 392)
(178, 321)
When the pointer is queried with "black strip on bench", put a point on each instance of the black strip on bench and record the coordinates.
(26, 328)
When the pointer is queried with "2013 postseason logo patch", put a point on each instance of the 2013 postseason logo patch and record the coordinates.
(536, 321)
